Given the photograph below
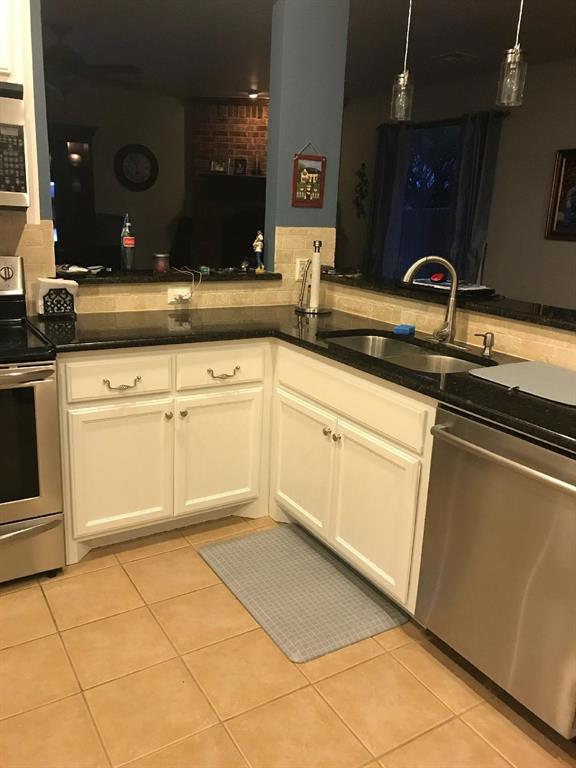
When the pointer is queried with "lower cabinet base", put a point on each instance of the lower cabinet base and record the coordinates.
(76, 549)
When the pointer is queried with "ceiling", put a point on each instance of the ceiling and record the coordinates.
(207, 48)
(482, 28)
(188, 48)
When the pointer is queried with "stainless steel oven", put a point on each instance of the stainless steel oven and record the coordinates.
(31, 520)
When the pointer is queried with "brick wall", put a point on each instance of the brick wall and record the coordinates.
(219, 131)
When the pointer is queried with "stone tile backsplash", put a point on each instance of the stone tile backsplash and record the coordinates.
(34, 242)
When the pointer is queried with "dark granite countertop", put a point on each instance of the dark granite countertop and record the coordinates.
(21, 344)
(540, 314)
(534, 417)
(173, 276)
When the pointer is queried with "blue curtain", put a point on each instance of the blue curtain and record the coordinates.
(385, 225)
(390, 233)
(479, 140)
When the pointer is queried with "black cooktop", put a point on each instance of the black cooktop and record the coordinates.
(20, 343)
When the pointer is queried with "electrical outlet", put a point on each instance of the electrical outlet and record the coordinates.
(179, 295)
(300, 268)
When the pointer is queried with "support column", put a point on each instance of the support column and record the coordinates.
(308, 62)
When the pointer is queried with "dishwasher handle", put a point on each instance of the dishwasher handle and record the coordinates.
(441, 432)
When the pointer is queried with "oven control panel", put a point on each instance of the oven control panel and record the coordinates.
(13, 189)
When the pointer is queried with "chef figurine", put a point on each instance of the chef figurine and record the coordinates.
(258, 247)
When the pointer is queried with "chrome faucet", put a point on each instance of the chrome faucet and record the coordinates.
(445, 333)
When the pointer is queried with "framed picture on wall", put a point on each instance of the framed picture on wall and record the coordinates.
(240, 166)
(217, 166)
(561, 221)
(308, 179)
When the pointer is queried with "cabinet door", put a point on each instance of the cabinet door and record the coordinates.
(121, 460)
(376, 494)
(218, 449)
(303, 461)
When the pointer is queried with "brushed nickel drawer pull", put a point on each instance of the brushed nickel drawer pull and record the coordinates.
(223, 375)
(122, 387)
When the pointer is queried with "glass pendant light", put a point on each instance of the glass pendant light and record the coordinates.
(512, 72)
(403, 89)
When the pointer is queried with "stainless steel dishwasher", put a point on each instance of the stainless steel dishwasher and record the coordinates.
(498, 575)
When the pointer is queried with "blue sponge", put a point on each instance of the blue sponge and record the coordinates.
(405, 330)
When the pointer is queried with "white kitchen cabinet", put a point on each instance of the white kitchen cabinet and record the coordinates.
(121, 465)
(7, 38)
(303, 460)
(218, 449)
(359, 491)
(375, 504)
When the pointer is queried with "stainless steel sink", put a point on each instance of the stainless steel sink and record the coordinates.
(376, 346)
(404, 353)
(428, 363)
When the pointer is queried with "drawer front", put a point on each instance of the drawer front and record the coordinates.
(118, 378)
(379, 407)
(31, 546)
(210, 367)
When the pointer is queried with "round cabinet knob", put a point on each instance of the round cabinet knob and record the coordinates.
(326, 431)
(183, 414)
(336, 438)
(168, 415)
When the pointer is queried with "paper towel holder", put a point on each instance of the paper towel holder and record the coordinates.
(310, 305)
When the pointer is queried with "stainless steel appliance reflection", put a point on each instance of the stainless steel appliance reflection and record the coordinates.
(31, 521)
(498, 573)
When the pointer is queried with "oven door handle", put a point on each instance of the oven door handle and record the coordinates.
(10, 379)
(29, 529)
(440, 432)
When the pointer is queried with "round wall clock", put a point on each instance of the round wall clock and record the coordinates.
(136, 167)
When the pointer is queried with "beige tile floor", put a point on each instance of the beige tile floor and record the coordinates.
(139, 656)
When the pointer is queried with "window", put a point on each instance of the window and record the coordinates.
(427, 199)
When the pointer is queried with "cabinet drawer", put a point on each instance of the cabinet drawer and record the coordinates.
(210, 367)
(118, 377)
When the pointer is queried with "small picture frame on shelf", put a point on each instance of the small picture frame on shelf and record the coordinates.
(217, 166)
(561, 221)
(240, 166)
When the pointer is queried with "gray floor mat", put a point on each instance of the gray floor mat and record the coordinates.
(307, 599)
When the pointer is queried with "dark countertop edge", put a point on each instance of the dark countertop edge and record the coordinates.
(171, 277)
(489, 306)
(382, 371)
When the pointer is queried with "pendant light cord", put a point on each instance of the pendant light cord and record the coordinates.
(408, 32)
(517, 44)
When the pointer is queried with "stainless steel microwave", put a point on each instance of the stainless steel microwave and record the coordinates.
(13, 181)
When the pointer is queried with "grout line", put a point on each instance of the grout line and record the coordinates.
(431, 690)
(39, 706)
(473, 730)
(357, 736)
(237, 744)
(169, 744)
(214, 642)
(348, 727)
(90, 715)
(223, 719)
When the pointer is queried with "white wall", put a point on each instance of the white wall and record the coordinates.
(521, 263)
(360, 120)
(122, 117)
